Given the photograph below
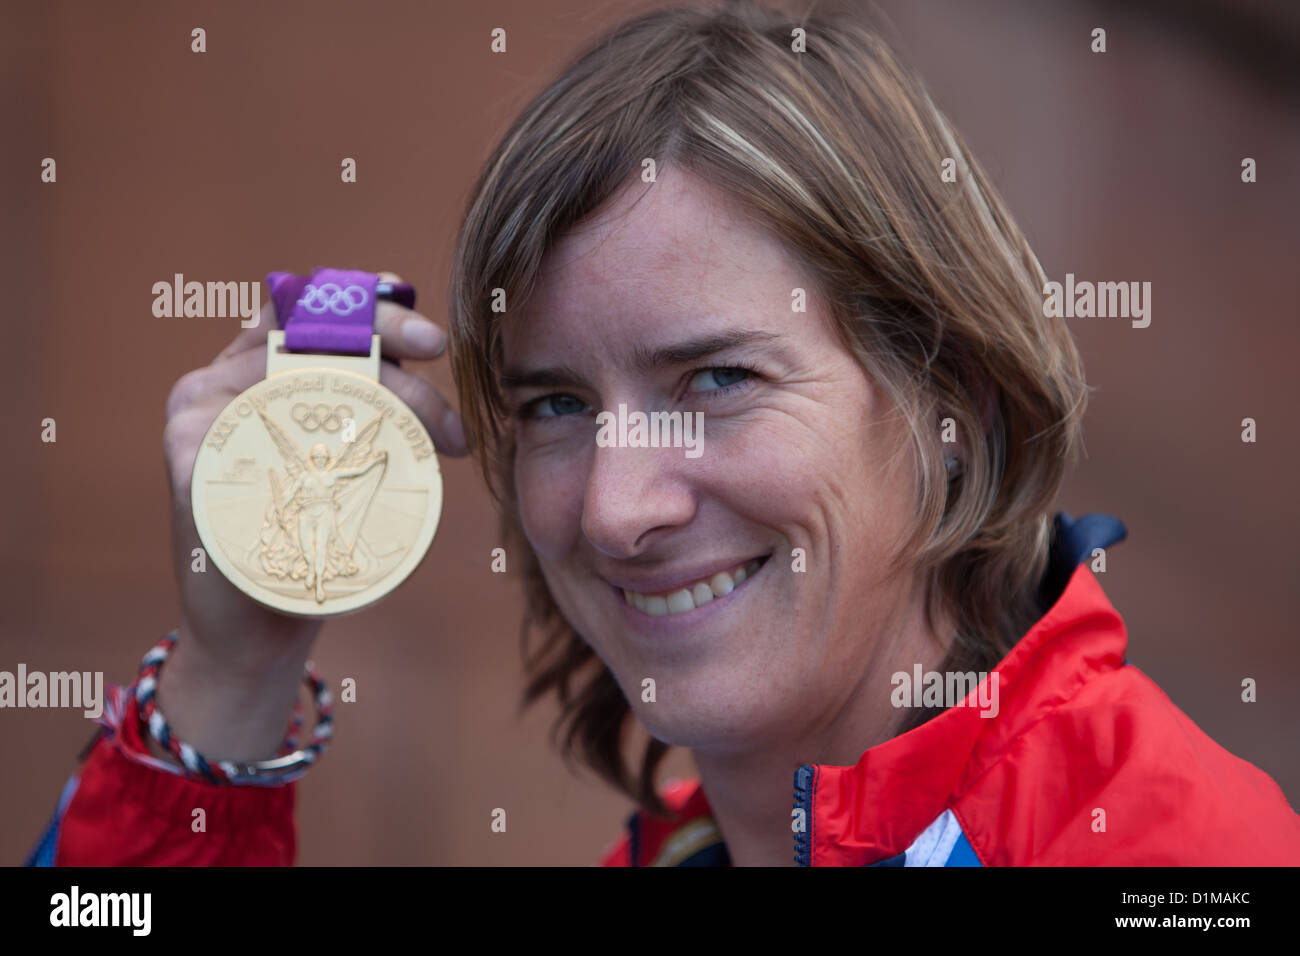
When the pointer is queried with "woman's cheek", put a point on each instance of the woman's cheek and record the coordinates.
(764, 461)
(550, 487)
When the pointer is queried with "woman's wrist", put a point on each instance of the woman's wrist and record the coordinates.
(230, 709)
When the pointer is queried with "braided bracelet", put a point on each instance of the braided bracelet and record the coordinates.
(281, 769)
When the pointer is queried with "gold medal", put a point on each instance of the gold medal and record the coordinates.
(317, 491)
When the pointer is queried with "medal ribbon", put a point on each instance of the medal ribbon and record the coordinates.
(331, 310)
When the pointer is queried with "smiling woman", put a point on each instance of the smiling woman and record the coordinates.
(856, 589)
(879, 469)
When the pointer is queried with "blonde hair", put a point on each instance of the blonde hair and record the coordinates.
(839, 151)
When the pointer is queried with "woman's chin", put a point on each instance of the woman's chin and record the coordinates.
(710, 718)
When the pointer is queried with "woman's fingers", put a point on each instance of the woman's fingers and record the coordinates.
(253, 336)
(214, 385)
(403, 334)
(225, 379)
(443, 424)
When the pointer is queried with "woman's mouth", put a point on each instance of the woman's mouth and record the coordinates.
(693, 595)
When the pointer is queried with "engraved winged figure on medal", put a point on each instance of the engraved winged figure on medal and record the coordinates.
(313, 521)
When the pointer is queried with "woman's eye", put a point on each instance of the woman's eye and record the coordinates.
(715, 379)
(552, 406)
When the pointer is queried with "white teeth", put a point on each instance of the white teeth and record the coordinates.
(689, 598)
(680, 601)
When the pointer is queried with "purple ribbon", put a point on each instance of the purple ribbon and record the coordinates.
(332, 310)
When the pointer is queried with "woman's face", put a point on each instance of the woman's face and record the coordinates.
(674, 304)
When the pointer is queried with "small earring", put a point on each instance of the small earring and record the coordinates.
(954, 466)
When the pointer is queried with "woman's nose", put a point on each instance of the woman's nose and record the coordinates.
(635, 497)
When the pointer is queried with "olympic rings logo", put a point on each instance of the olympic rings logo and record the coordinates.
(331, 297)
(312, 417)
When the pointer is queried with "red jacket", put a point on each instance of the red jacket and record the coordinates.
(126, 808)
(1086, 762)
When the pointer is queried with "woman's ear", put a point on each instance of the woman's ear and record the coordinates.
(955, 445)
(955, 462)
(954, 448)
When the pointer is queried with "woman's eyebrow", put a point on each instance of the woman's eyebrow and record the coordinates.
(683, 353)
(560, 376)
(644, 359)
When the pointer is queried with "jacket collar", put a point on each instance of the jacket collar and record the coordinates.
(874, 809)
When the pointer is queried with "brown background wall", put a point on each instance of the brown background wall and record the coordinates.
(221, 166)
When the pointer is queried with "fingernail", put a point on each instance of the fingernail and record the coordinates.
(454, 430)
(421, 335)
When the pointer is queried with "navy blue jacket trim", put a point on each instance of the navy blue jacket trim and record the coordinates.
(44, 852)
(634, 840)
(805, 785)
(715, 854)
(899, 860)
(1072, 543)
